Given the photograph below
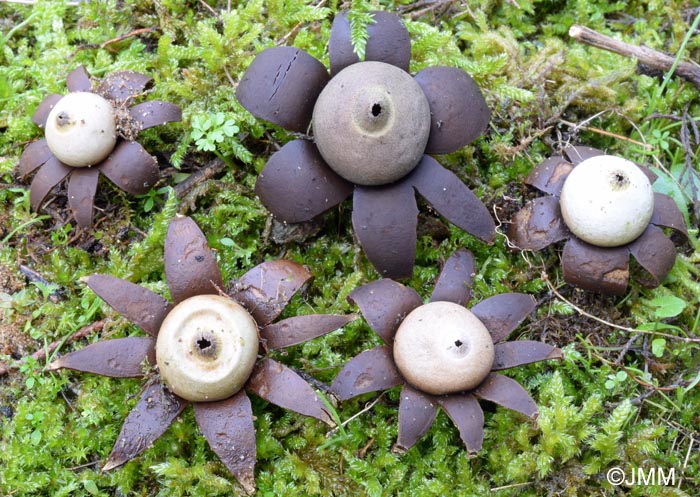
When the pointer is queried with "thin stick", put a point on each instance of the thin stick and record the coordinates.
(645, 55)
(512, 485)
(646, 146)
(128, 35)
(356, 415)
(608, 323)
(40, 354)
(207, 172)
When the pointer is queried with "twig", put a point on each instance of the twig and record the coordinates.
(603, 132)
(297, 27)
(34, 277)
(512, 485)
(608, 323)
(210, 9)
(207, 172)
(435, 5)
(625, 349)
(40, 354)
(114, 40)
(645, 55)
(128, 35)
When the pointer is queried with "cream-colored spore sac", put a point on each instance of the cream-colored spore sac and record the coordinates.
(371, 123)
(443, 348)
(607, 201)
(81, 129)
(206, 348)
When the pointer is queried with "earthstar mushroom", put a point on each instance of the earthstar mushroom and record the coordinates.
(431, 351)
(92, 131)
(599, 240)
(373, 126)
(206, 348)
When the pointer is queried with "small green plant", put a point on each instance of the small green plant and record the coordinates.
(153, 197)
(209, 131)
(216, 133)
(60, 236)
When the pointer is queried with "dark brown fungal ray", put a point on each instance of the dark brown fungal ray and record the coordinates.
(280, 385)
(502, 313)
(155, 113)
(78, 80)
(538, 224)
(598, 269)
(384, 304)
(416, 415)
(508, 393)
(576, 155)
(123, 85)
(655, 252)
(368, 371)
(549, 175)
(50, 174)
(465, 412)
(385, 220)
(41, 114)
(667, 214)
(300, 329)
(518, 353)
(154, 413)
(228, 427)
(118, 358)
(190, 265)
(82, 187)
(458, 111)
(281, 85)
(388, 41)
(131, 168)
(455, 281)
(35, 155)
(266, 289)
(298, 167)
(451, 198)
(139, 305)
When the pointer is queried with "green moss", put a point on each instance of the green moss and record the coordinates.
(595, 411)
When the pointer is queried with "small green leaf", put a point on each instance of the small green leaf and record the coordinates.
(35, 437)
(657, 346)
(227, 242)
(91, 487)
(668, 306)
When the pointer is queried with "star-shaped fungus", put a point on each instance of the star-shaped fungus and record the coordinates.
(206, 349)
(441, 353)
(92, 131)
(606, 208)
(373, 124)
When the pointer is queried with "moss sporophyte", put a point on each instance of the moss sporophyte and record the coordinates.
(206, 347)
(605, 207)
(373, 125)
(92, 131)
